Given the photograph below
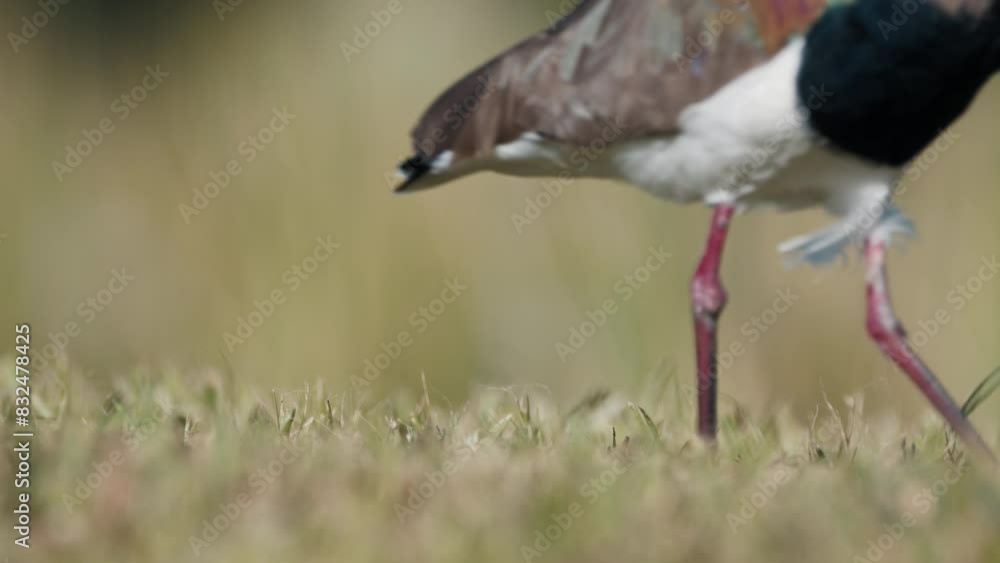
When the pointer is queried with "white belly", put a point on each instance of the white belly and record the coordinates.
(792, 175)
(748, 142)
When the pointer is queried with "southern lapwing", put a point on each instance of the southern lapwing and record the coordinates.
(735, 104)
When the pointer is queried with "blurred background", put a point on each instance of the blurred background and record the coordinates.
(188, 88)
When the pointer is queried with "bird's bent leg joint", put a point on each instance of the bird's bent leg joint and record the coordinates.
(888, 333)
(707, 300)
(708, 296)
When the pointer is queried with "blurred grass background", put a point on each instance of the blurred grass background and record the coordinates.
(324, 175)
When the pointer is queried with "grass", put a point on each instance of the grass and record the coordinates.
(171, 466)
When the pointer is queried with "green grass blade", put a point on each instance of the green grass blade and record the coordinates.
(647, 422)
(982, 392)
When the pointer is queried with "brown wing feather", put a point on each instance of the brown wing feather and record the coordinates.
(639, 63)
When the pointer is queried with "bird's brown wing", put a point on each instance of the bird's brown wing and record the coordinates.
(637, 63)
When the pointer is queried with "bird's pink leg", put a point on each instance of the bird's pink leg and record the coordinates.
(708, 297)
(886, 331)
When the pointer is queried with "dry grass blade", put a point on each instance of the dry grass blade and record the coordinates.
(286, 425)
(654, 432)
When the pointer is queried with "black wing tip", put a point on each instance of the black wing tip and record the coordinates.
(412, 169)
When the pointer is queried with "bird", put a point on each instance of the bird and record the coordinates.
(736, 105)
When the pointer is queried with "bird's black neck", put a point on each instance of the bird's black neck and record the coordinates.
(900, 72)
